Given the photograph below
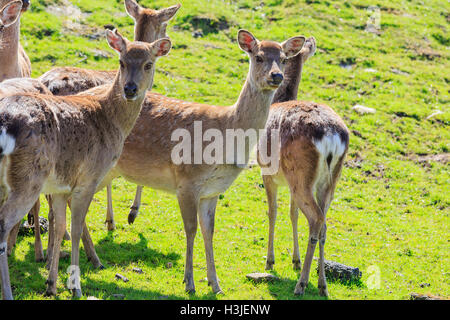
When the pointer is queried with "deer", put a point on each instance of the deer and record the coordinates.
(147, 155)
(150, 25)
(13, 59)
(314, 141)
(64, 146)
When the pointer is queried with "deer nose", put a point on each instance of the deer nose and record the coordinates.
(277, 77)
(130, 89)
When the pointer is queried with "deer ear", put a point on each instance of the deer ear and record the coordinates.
(161, 47)
(115, 40)
(247, 41)
(292, 46)
(132, 8)
(168, 13)
(10, 13)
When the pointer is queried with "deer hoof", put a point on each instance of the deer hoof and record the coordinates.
(76, 293)
(269, 265)
(297, 265)
(132, 215)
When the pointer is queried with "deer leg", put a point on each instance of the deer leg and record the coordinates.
(51, 231)
(4, 270)
(134, 210)
(296, 262)
(90, 249)
(38, 251)
(109, 209)
(322, 285)
(12, 239)
(316, 219)
(59, 203)
(80, 205)
(271, 192)
(188, 208)
(207, 210)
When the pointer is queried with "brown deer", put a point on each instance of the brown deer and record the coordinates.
(147, 155)
(64, 146)
(150, 25)
(314, 143)
(13, 59)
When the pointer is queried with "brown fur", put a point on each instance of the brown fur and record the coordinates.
(20, 85)
(64, 146)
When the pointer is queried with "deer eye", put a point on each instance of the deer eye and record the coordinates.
(148, 66)
(259, 59)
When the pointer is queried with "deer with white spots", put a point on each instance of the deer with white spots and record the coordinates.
(64, 147)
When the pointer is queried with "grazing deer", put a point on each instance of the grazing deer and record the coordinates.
(146, 157)
(14, 61)
(64, 146)
(314, 143)
(150, 25)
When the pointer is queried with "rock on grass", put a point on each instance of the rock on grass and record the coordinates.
(341, 272)
(261, 277)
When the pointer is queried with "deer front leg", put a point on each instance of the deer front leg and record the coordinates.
(207, 210)
(110, 224)
(80, 205)
(4, 270)
(12, 239)
(296, 262)
(322, 285)
(271, 192)
(59, 203)
(90, 249)
(134, 210)
(188, 208)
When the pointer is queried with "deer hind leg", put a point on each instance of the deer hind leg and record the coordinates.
(296, 262)
(188, 207)
(12, 239)
(134, 210)
(110, 224)
(207, 210)
(59, 203)
(271, 191)
(38, 251)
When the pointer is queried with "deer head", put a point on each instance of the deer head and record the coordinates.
(150, 24)
(137, 62)
(268, 58)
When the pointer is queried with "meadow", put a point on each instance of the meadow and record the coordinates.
(390, 215)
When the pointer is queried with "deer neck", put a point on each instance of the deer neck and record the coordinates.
(292, 75)
(122, 112)
(9, 52)
(252, 108)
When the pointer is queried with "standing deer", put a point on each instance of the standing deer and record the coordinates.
(64, 146)
(14, 61)
(146, 157)
(314, 143)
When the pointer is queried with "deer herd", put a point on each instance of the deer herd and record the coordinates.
(70, 132)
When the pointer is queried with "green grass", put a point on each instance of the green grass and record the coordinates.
(390, 211)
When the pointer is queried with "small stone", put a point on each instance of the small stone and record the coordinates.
(363, 109)
(261, 277)
(169, 265)
(197, 34)
(138, 270)
(121, 277)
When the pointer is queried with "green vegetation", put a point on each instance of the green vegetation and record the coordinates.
(391, 208)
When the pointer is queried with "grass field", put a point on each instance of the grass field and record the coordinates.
(391, 207)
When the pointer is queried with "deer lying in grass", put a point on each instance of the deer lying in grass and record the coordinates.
(314, 143)
(13, 59)
(71, 143)
(150, 25)
(146, 158)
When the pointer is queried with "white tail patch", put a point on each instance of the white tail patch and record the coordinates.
(330, 144)
(7, 142)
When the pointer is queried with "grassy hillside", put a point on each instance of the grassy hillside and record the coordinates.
(391, 208)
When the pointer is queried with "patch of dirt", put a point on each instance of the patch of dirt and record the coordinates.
(425, 160)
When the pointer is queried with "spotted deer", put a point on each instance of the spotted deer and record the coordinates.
(147, 160)
(14, 61)
(64, 146)
(150, 25)
(314, 142)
